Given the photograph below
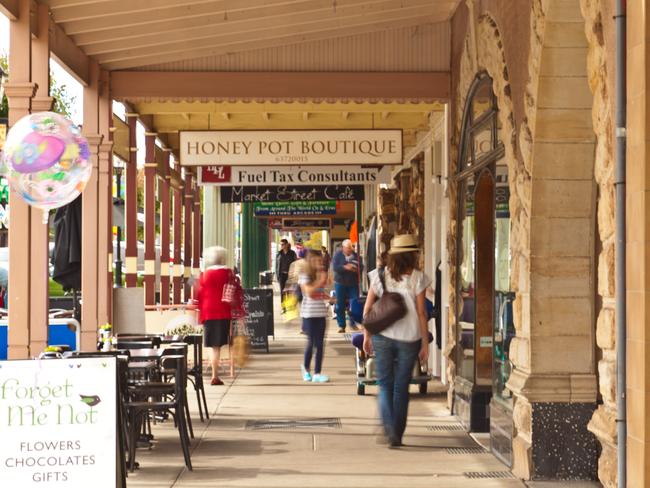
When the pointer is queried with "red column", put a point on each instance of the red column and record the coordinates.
(150, 219)
(178, 232)
(196, 234)
(164, 232)
(187, 258)
(131, 206)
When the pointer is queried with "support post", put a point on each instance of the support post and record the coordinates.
(42, 102)
(150, 166)
(178, 232)
(196, 234)
(90, 216)
(164, 230)
(19, 90)
(131, 206)
(187, 241)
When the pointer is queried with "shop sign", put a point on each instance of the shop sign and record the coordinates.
(293, 175)
(291, 147)
(279, 209)
(241, 194)
(306, 223)
(58, 422)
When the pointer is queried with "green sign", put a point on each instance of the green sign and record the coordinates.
(290, 209)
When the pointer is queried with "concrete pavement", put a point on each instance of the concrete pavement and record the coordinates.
(231, 450)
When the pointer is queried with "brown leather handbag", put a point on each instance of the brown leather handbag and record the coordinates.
(386, 311)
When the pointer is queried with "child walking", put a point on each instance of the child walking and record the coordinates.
(312, 280)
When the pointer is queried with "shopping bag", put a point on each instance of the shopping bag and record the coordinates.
(241, 344)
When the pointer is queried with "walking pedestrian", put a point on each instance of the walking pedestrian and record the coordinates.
(398, 346)
(283, 261)
(215, 311)
(313, 311)
(345, 264)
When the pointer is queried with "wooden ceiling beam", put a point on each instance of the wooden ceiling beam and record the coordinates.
(68, 54)
(58, 4)
(9, 8)
(205, 28)
(281, 37)
(127, 85)
(174, 12)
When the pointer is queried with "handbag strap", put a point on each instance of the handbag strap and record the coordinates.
(382, 279)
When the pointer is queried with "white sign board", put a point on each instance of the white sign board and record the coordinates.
(291, 147)
(293, 175)
(58, 423)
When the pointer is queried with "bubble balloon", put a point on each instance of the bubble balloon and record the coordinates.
(47, 160)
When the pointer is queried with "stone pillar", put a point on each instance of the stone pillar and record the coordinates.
(19, 90)
(131, 206)
(218, 222)
(89, 216)
(105, 206)
(187, 240)
(150, 167)
(42, 102)
(179, 198)
(164, 230)
(638, 251)
(196, 233)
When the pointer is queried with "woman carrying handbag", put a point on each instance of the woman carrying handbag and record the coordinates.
(398, 343)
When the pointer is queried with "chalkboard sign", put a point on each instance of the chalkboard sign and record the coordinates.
(259, 320)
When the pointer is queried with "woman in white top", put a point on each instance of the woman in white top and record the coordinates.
(398, 346)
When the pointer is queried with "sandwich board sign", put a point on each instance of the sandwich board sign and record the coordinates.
(58, 419)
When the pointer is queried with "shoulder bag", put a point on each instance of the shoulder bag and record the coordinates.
(386, 311)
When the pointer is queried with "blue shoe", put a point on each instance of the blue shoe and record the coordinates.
(306, 375)
(320, 378)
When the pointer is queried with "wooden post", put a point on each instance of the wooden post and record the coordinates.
(19, 90)
(150, 219)
(131, 206)
(187, 261)
(178, 232)
(164, 230)
(196, 234)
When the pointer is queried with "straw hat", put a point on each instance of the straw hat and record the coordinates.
(403, 243)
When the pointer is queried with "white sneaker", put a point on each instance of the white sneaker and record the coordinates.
(320, 378)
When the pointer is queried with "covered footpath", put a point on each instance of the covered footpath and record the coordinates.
(340, 449)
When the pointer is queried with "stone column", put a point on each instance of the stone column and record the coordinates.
(150, 167)
(218, 222)
(131, 206)
(187, 240)
(19, 90)
(42, 102)
(178, 233)
(164, 230)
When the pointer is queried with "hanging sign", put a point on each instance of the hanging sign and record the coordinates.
(280, 209)
(58, 422)
(306, 223)
(241, 194)
(292, 175)
(291, 147)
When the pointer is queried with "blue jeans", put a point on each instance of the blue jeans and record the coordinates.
(394, 361)
(344, 293)
(315, 329)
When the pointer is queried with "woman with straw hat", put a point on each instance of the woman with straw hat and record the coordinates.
(398, 346)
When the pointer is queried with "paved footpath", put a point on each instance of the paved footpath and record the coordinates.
(229, 451)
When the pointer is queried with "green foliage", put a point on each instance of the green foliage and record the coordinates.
(63, 101)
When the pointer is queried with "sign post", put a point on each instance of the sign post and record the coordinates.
(58, 420)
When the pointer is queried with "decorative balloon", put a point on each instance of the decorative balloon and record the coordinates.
(47, 160)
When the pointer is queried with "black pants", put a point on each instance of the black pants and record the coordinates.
(315, 329)
(283, 281)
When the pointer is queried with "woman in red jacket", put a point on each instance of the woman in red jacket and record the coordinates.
(214, 313)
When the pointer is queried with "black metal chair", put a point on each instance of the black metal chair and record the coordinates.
(173, 404)
(195, 374)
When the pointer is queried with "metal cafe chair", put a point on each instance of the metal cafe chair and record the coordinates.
(195, 374)
(137, 411)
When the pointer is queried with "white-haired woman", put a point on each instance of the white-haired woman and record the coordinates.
(215, 314)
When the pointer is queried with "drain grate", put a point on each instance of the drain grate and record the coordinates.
(294, 424)
(465, 450)
(445, 427)
(484, 475)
